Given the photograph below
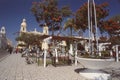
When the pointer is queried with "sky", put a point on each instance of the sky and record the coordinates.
(13, 11)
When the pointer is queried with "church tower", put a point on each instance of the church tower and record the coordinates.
(22, 29)
(23, 26)
(45, 29)
(3, 31)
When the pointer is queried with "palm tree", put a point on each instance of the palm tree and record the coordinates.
(70, 23)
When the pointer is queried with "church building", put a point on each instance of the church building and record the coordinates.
(4, 42)
(23, 28)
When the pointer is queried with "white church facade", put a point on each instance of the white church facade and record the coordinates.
(23, 28)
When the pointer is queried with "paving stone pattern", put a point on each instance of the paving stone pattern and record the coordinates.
(14, 67)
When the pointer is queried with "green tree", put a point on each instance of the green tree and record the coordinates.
(112, 27)
(47, 11)
(82, 18)
(29, 39)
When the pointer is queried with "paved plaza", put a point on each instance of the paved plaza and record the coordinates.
(3, 54)
(14, 67)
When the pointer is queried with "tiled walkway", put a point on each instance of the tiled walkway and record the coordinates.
(14, 67)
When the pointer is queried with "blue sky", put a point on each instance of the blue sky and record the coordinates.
(13, 11)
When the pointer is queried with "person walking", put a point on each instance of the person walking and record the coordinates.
(10, 50)
(16, 50)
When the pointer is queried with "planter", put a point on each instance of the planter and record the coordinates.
(95, 74)
(93, 68)
(95, 63)
(64, 60)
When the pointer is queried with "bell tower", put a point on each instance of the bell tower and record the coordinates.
(45, 29)
(3, 31)
(22, 29)
(23, 26)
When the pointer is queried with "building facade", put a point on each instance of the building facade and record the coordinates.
(23, 29)
(3, 39)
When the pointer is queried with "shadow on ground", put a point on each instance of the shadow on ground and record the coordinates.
(115, 73)
(79, 70)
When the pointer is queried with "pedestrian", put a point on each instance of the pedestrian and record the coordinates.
(16, 50)
(10, 50)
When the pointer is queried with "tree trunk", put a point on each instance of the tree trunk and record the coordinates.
(71, 31)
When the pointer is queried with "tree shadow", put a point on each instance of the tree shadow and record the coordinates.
(79, 70)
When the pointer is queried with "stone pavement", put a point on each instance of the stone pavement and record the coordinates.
(14, 67)
(3, 53)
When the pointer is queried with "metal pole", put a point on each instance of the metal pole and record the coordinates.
(89, 26)
(96, 25)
